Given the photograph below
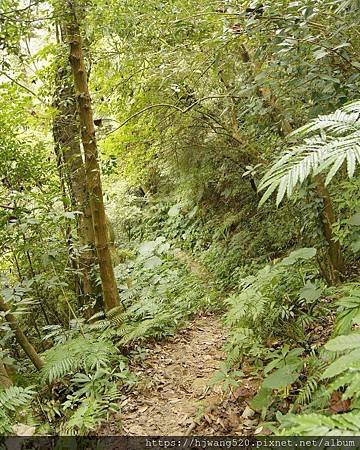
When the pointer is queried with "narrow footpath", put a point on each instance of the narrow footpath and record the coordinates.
(174, 395)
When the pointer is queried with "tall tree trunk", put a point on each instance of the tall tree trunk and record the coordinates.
(333, 267)
(66, 133)
(5, 380)
(20, 336)
(93, 178)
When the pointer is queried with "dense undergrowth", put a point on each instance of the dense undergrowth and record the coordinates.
(195, 108)
(283, 322)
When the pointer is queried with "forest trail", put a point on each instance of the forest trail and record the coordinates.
(174, 394)
(174, 390)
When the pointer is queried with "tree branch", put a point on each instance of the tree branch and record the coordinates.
(169, 105)
(21, 85)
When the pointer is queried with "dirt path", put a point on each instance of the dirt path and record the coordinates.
(174, 390)
(173, 396)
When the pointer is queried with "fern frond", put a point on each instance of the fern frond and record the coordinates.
(114, 312)
(15, 397)
(307, 391)
(350, 308)
(338, 123)
(85, 418)
(320, 153)
(321, 425)
(12, 400)
(77, 353)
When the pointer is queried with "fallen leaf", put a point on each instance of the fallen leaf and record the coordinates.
(337, 405)
(248, 413)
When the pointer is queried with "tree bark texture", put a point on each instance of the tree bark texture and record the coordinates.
(93, 178)
(335, 258)
(20, 336)
(5, 380)
(66, 133)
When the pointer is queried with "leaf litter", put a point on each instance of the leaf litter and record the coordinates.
(174, 395)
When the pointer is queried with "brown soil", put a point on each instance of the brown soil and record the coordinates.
(173, 396)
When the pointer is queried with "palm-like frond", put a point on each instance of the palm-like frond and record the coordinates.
(15, 397)
(75, 354)
(13, 400)
(320, 425)
(338, 142)
(343, 5)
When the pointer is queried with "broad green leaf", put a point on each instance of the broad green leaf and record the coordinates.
(152, 262)
(310, 292)
(262, 399)
(342, 343)
(174, 210)
(281, 377)
(343, 363)
(355, 246)
(147, 248)
(302, 253)
(163, 248)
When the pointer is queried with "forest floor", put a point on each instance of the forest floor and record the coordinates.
(174, 395)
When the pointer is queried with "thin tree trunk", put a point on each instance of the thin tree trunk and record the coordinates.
(67, 143)
(33, 275)
(20, 336)
(5, 380)
(334, 266)
(335, 257)
(93, 178)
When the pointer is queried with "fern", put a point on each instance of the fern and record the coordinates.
(349, 311)
(15, 397)
(320, 425)
(267, 306)
(85, 418)
(345, 369)
(11, 400)
(307, 391)
(75, 354)
(323, 152)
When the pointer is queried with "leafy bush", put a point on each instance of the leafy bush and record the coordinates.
(159, 292)
(273, 304)
(340, 377)
(88, 370)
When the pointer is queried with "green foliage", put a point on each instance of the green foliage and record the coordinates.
(85, 418)
(269, 307)
(226, 378)
(312, 394)
(13, 400)
(345, 368)
(160, 293)
(91, 371)
(320, 425)
(83, 352)
(339, 372)
(328, 151)
(349, 309)
(191, 99)
(280, 373)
